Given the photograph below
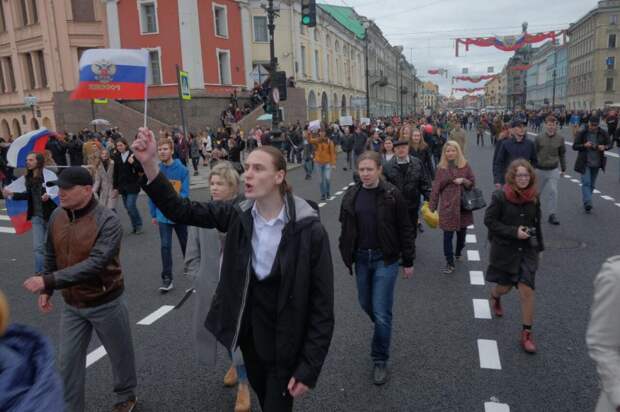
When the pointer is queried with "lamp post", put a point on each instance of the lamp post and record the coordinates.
(273, 63)
(366, 41)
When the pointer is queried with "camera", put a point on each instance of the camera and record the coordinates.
(531, 231)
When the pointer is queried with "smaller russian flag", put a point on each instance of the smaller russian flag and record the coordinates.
(34, 141)
(112, 74)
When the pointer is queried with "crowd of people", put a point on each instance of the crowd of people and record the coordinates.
(261, 260)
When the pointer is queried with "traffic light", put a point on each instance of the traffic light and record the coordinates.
(308, 13)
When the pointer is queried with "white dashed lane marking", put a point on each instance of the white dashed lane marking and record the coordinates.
(607, 198)
(496, 407)
(338, 193)
(322, 204)
(476, 277)
(95, 355)
(470, 239)
(152, 318)
(473, 255)
(482, 310)
(7, 230)
(470, 227)
(489, 354)
(574, 180)
(4, 217)
(596, 191)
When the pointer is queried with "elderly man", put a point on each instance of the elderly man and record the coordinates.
(82, 260)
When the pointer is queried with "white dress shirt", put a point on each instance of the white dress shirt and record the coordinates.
(266, 237)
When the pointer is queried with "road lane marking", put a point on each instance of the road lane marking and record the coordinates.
(596, 191)
(352, 184)
(489, 354)
(476, 277)
(617, 204)
(470, 227)
(473, 255)
(337, 193)
(482, 310)
(574, 180)
(345, 188)
(322, 204)
(496, 407)
(608, 198)
(95, 355)
(331, 198)
(7, 230)
(567, 176)
(3, 217)
(152, 318)
(470, 239)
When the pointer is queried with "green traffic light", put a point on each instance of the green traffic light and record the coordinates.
(305, 20)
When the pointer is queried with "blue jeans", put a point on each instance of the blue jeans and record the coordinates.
(237, 359)
(588, 183)
(326, 173)
(39, 233)
(165, 234)
(448, 251)
(309, 167)
(375, 291)
(129, 200)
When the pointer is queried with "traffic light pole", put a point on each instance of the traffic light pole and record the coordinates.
(273, 62)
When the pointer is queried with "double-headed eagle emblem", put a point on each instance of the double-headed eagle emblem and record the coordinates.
(103, 70)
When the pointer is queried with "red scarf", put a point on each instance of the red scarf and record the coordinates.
(520, 197)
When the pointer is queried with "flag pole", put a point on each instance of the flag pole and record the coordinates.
(146, 98)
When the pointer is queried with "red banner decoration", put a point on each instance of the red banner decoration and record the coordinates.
(474, 79)
(520, 67)
(441, 72)
(467, 90)
(508, 43)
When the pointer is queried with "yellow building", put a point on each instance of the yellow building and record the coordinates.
(327, 61)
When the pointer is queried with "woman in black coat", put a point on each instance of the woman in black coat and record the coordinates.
(127, 171)
(513, 220)
(420, 149)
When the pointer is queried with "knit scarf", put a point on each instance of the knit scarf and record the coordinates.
(520, 197)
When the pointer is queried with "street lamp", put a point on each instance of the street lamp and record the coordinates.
(366, 24)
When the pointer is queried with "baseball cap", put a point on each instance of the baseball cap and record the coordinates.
(72, 176)
(517, 122)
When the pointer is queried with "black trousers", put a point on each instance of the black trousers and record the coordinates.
(271, 391)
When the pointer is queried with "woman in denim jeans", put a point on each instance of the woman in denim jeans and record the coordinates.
(125, 181)
(376, 232)
(325, 158)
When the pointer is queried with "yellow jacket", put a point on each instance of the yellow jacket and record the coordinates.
(324, 152)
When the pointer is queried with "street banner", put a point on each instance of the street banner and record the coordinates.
(112, 74)
(18, 209)
(508, 43)
(365, 120)
(346, 121)
(185, 92)
(34, 141)
(314, 125)
(473, 79)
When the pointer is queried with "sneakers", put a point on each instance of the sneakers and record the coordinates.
(243, 398)
(230, 379)
(166, 286)
(496, 305)
(448, 269)
(126, 406)
(527, 343)
(380, 374)
(553, 220)
(196, 173)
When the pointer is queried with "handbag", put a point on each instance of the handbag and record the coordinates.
(472, 199)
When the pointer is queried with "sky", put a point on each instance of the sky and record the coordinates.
(427, 29)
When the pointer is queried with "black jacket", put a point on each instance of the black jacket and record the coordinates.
(74, 147)
(508, 150)
(425, 157)
(305, 320)
(58, 150)
(503, 218)
(48, 207)
(346, 143)
(126, 175)
(415, 181)
(582, 156)
(395, 229)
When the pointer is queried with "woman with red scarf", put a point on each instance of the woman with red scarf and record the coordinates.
(513, 220)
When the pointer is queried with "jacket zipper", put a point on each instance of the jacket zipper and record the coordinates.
(242, 309)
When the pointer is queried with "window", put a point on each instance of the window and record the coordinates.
(316, 65)
(317, 35)
(22, 11)
(148, 17)
(609, 86)
(302, 28)
(3, 88)
(34, 13)
(612, 41)
(83, 10)
(28, 64)
(223, 61)
(611, 62)
(154, 74)
(12, 87)
(41, 65)
(613, 19)
(2, 20)
(261, 34)
(221, 20)
(304, 69)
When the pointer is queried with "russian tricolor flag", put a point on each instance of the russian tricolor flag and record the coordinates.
(18, 209)
(34, 141)
(112, 74)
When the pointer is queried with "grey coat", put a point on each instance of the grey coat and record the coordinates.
(103, 185)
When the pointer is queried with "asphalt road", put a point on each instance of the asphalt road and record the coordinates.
(444, 358)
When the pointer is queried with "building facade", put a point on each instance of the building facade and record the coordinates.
(202, 37)
(547, 78)
(516, 81)
(40, 46)
(492, 92)
(593, 54)
(430, 96)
